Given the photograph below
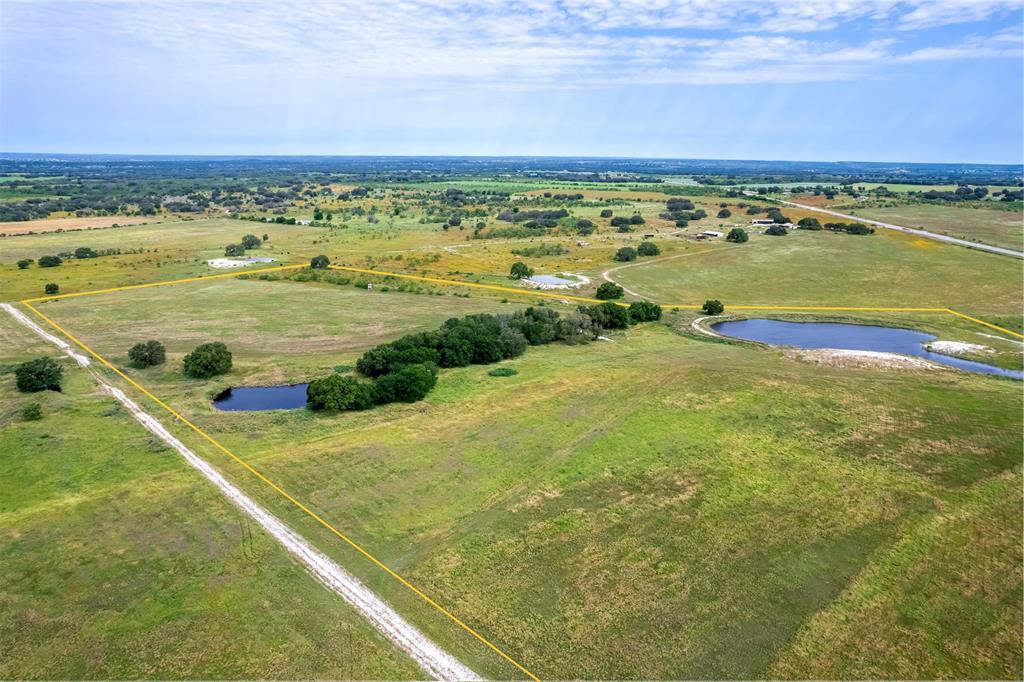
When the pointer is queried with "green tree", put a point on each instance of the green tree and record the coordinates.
(336, 392)
(318, 214)
(725, 213)
(648, 249)
(207, 360)
(713, 307)
(85, 252)
(251, 241)
(32, 412)
(520, 270)
(737, 235)
(809, 224)
(41, 374)
(644, 311)
(24, 263)
(147, 354)
(406, 384)
(609, 290)
(319, 262)
(606, 213)
(607, 315)
(234, 250)
(50, 261)
(625, 254)
(776, 230)
(51, 289)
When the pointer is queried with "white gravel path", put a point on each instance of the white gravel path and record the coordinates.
(435, 662)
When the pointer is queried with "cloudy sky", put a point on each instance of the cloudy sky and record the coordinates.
(925, 80)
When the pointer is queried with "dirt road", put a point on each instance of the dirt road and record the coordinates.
(435, 662)
(910, 230)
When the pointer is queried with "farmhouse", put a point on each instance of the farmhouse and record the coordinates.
(709, 234)
(762, 221)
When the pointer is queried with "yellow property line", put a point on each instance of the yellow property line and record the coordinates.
(161, 284)
(492, 287)
(309, 512)
(523, 292)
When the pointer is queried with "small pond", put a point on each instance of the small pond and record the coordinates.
(248, 398)
(552, 281)
(850, 337)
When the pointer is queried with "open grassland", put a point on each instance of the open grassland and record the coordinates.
(823, 268)
(658, 506)
(119, 561)
(21, 227)
(989, 225)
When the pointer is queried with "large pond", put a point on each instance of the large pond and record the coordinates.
(850, 337)
(248, 398)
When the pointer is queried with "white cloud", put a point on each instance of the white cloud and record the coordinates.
(497, 43)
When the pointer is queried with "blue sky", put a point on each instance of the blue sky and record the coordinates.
(928, 80)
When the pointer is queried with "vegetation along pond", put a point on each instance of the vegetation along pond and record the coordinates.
(850, 337)
(249, 398)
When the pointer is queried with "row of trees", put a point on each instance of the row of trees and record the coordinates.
(249, 241)
(628, 253)
(405, 370)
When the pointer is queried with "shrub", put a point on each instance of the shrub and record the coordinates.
(51, 289)
(24, 263)
(725, 213)
(606, 213)
(776, 230)
(713, 307)
(147, 354)
(207, 360)
(503, 372)
(682, 223)
(406, 384)
(50, 261)
(648, 249)
(584, 226)
(234, 250)
(251, 241)
(737, 235)
(625, 254)
(85, 252)
(609, 290)
(644, 311)
(32, 412)
(337, 392)
(41, 374)
(319, 262)
(520, 270)
(607, 315)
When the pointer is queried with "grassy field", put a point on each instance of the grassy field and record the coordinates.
(119, 561)
(987, 225)
(823, 268)
(661, 506)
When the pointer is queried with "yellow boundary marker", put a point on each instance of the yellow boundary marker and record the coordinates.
(129, 287)
(422, 278)
(309, 512)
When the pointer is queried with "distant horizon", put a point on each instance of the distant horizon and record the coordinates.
(596, 157)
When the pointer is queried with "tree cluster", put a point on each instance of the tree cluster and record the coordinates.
(147, 354)
(41, 374)
(207, 360)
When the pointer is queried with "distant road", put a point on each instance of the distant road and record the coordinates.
(912, 230)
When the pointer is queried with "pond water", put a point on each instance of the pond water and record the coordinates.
(551, 280)
(248, 398)
(850, 337)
